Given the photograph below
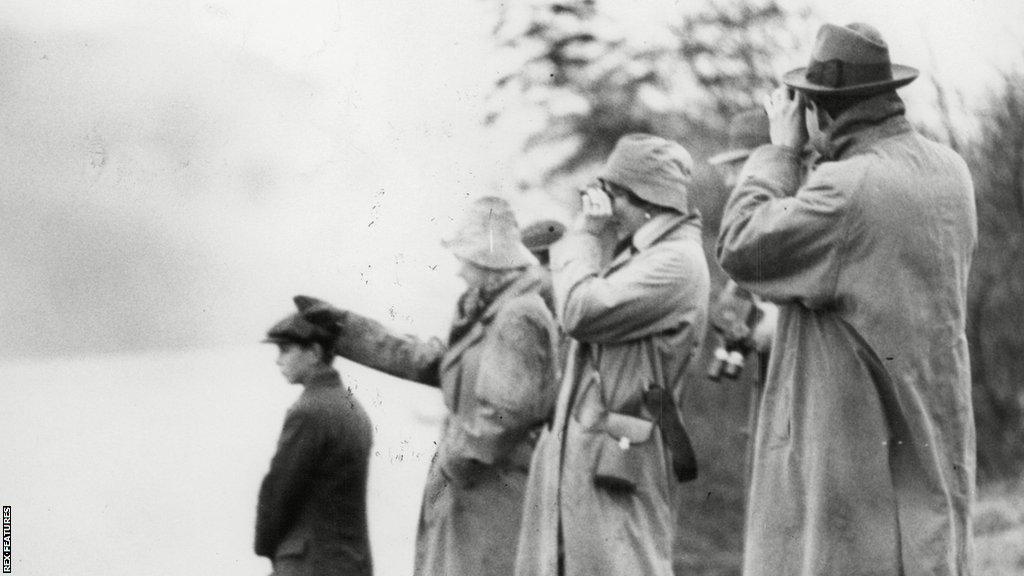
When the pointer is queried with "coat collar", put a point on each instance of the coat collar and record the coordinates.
(864, 124)
(652, 231)
(530, 280)
(323, 376)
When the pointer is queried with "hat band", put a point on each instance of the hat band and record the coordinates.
(839, 74)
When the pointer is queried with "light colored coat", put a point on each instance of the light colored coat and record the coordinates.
(499, 386)
(864, 460)
(654, 294)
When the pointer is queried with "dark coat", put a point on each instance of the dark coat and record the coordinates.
(311, 516)
(864, 459)
(497, 380)
(651, 299)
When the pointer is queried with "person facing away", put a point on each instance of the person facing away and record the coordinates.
(311, 515)
(865, 453)
(496, 373)
(631, 287)
(747, 131)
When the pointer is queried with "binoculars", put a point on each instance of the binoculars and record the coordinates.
(728, 360)
(733, 318)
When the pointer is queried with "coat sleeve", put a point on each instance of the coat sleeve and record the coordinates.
(782, 241)
(515, 390)
(638, 300)
(285, 485)
(370, 343)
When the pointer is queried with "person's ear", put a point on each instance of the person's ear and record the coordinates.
(823, 117)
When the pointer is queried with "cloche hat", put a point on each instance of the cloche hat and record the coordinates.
(488, 236)
(655, 169)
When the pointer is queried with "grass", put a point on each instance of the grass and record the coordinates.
(999, 530)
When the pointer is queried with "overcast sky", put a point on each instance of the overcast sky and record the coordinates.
(174, 171)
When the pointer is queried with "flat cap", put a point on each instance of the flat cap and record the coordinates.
(302, 328)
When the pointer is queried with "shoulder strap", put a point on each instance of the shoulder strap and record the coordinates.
(655, 358)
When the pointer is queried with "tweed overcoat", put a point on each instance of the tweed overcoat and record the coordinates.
(864, 460)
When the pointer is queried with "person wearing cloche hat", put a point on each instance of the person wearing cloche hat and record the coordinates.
(311, 512)
(631, 289)
(864, 460)
(496, 371)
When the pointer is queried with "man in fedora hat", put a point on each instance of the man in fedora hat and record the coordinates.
(865, 459)
(311, 515)
(631, 290)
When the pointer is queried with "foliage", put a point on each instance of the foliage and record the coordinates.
(996, 296)
(585, 77)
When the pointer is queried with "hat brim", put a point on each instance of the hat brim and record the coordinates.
(729, 156)
(519, 257)
(901, 76)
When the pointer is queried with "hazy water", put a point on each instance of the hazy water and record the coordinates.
(150, 464)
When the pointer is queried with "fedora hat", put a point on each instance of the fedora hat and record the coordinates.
(655, 169)
(851, 60)
(488, 236)
(747, 131)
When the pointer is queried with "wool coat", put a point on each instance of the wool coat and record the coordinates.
(865, 459)
(311, 515)
(497, 377)
(636, 321)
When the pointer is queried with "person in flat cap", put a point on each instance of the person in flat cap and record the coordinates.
(865, 457)
(311, 513)
(496, 371)
(631, 290)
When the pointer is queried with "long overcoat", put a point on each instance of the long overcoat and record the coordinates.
(311, 514)
(498, 382)
(864, 460)
(646, 306)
